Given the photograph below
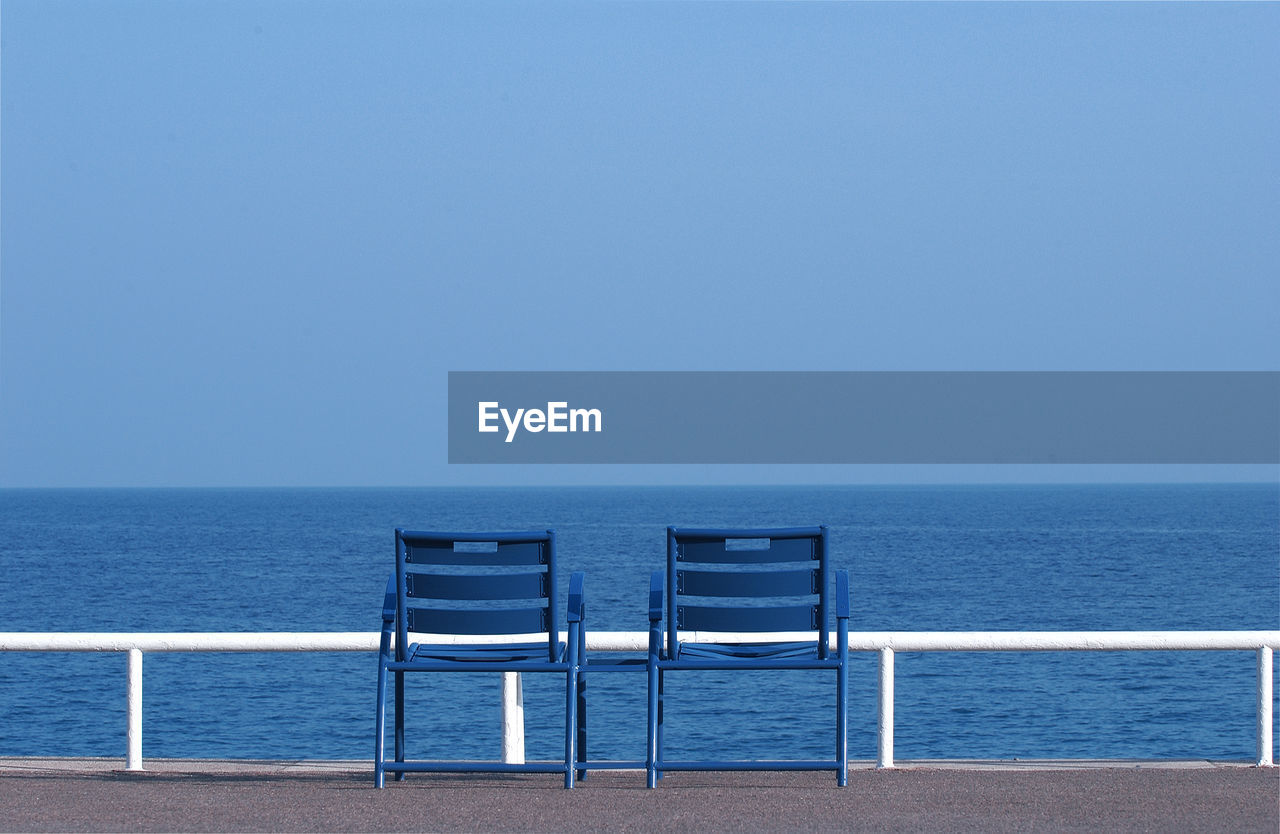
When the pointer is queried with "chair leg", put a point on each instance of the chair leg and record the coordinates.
(379, 743)
(842, 723)
(401, 775)
(570, 727)
(582, 724)
(651, 751)
(662, 705)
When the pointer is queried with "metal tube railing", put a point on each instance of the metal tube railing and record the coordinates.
(885, 643)
(884, 699)
(133, 737)
(1264, 707)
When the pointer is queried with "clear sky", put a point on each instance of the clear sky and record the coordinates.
(242, 243)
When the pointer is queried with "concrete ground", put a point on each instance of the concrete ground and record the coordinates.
(200, 795)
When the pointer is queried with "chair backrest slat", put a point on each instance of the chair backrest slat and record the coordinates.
(481, 583)
(779, 583)
(486, 621)
(745, 550)
(781, 618)
(756, 580)
(493, 586)
(476, 552)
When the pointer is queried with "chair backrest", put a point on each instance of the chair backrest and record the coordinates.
(476, 584)
(741, 580)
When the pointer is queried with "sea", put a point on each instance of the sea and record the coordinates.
(920, 558)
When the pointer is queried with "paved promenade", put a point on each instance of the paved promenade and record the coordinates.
(186, 795)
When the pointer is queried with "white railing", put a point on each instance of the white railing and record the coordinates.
(885, 643)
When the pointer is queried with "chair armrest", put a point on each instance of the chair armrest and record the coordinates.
(577, 602)
(842, 595)
(390, 602)
(656, 582)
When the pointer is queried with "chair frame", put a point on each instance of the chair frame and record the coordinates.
(735, 656)
(399, 656)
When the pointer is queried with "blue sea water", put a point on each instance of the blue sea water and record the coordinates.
(921, 558)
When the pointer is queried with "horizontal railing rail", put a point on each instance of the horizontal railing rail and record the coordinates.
(884, 643)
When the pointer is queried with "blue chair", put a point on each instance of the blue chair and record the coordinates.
(746, 582)
(467, 584)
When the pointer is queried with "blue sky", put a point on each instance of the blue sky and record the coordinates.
(242, 243)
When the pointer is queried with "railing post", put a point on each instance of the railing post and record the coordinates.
(884, 729)
(133, 761)
(512, 718)
(1264, 707)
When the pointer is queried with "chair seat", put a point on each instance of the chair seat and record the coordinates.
(488, 653)
(755, 651)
